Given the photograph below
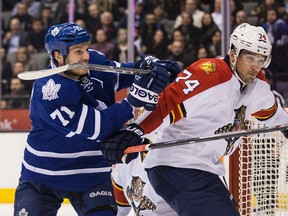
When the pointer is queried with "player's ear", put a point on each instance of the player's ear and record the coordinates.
(59, 58)
(232, 55)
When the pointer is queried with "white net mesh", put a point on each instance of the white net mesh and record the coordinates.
(263, 173)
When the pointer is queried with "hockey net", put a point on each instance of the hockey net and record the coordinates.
(263, 173)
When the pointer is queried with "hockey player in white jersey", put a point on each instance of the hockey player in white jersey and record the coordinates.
(210, 96)
(71, 113)
(132, 190)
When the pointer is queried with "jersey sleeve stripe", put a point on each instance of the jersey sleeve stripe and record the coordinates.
(172, 117)
(97, 125)
(81, 122)
(119, 195)
(177, 114)
(64, 172)
(263, 115)
(62, 154)
(182, 110)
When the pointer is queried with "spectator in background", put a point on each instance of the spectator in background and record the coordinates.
(201, 53)
(208, 29)
(18, 97)
(17, 68)
(214, 47)
(236, 5)
(261, 10)
(138, 40)
(54, 5)
(171, 7)
(82, 7)
(178, 54)
(93, 19)
(36, 37)
(58, 8)
(23, 16)
(178, 35)
(102, 44)
(192, 7)
(217, 14)
(191, 33)
(120, 52)
(81, 22)
(33, 8)
(139, 16)
(240, 17)
(277, 31)
(14, 37)
(23, 55)
(64, 16)
(158, 47)
(107, 24)
(113, 6)
(6, 72)
(162, 17)
(46, 17)
(149, 28)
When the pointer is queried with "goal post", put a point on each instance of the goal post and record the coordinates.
(258, 173)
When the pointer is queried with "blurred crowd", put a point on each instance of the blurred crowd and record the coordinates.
(180, 30)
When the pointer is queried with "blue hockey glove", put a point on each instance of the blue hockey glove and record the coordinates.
(148, 62)
(113, 147)
(172, 67)
(146, 88)
(145, 61)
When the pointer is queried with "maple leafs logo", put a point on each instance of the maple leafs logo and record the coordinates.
(23, 212)
(55, 31)
(50, 90)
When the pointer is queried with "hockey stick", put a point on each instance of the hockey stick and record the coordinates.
(146, 147)
(32, 75)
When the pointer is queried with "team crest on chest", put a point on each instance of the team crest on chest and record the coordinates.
(139, 201)
(50, 90)
(208, 67)
(238, 124)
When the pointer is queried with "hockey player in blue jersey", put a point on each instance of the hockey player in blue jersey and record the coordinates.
(71, 113)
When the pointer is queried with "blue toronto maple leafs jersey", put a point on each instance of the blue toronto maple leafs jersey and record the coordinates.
(69, 119)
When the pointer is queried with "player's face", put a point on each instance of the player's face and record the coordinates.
(248, 65)
(77, 54)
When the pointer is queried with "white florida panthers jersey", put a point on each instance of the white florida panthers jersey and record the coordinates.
(133, 190)
(207, 99)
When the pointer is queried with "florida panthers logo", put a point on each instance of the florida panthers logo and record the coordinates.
(135, 194)
(238, 124)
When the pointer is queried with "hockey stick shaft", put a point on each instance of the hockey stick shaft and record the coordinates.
(32, 75)
(146, 147)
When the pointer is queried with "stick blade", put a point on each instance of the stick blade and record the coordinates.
(32, 75)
